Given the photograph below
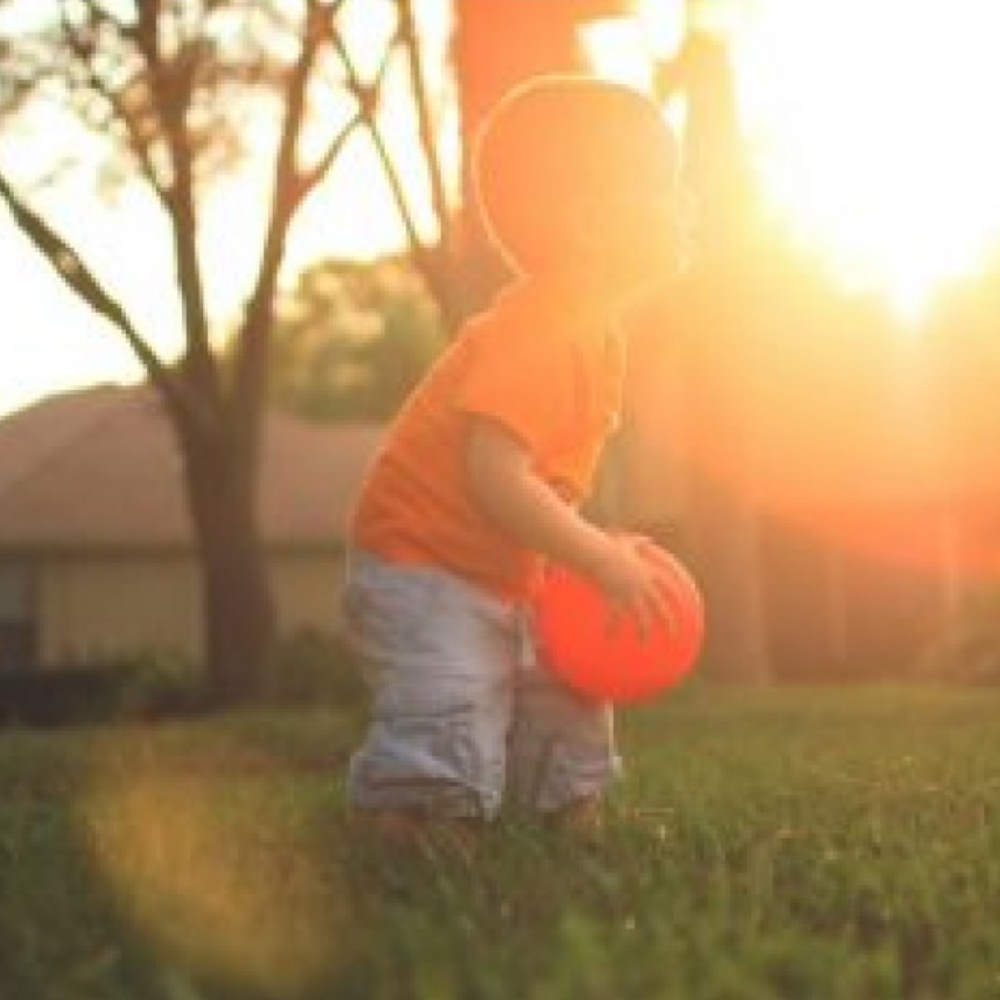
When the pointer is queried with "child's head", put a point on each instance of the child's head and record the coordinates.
(577, 175)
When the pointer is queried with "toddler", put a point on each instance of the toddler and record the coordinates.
(479, 478)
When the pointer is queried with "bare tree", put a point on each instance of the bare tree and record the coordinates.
(171, 84)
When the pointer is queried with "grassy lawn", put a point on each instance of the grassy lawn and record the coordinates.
(804, 843)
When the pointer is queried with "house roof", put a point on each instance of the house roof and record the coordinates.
(98, 468)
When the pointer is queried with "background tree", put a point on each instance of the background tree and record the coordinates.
(171, 85)
(352, 339)
(716, 175)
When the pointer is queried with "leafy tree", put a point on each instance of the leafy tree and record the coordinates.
(170, 86)
(353, 339)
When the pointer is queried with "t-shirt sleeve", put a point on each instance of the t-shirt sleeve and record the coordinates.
(527, 384)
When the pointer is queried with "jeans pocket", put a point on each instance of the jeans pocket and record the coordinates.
(425, 759)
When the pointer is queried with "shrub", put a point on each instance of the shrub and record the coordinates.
(310, 666)
(148, 685)
(307, 667)
(160, 684)
(58, 696)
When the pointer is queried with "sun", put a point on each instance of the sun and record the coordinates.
(875, 134)
(870, 122)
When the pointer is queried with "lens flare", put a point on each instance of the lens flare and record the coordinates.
(871, 125)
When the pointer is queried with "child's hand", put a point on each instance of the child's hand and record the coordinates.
(636, 578)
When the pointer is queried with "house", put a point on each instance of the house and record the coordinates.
(96, 551)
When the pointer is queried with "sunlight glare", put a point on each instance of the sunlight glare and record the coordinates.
(616, 50)
(626, 49)
(873, 131)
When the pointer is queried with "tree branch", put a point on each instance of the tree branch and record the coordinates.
(367, 96)
(169, 94)
(74, 273)
(146, 31)
(428, 139)
(171, 83)
(103, 15)
(308, 179)
(137, 142)
(287, 193)
(428, 259)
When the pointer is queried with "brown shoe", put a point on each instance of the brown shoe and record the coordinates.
(431, 838)
(582, 819)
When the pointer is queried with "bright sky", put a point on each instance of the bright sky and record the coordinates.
(871, 123)
(876, 128)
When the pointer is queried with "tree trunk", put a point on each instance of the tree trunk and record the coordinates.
(239, 614)
(729, 561)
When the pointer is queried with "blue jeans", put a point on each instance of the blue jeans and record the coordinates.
(462, 707)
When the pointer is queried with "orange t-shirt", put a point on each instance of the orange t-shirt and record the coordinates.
(543, 369)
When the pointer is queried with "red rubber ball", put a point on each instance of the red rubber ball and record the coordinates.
(614, 663)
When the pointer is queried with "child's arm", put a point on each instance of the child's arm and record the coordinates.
(504, 484)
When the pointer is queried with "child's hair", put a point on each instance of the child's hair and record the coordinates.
(556, 153)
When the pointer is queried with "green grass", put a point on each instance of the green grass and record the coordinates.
(794, 843)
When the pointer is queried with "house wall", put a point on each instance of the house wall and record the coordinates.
(94, 608)
(307, 591)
